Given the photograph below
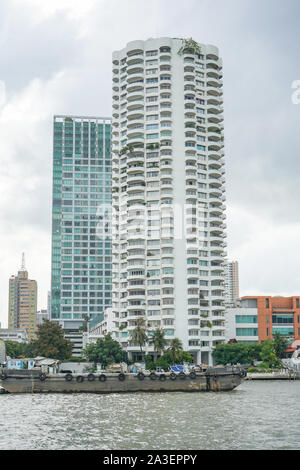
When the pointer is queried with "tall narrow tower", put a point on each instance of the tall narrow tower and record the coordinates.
(81, 255)
(168, 193)
(22, 308)
(232, 291)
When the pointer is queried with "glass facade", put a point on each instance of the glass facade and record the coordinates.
(81, 231)
(286, 331)
(247, 332)
(246, 318)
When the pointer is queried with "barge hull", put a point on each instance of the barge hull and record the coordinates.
(58, 384)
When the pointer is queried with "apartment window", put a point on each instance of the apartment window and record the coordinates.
(152, 117)
(267, 303)
(152, 136)
(246, 318)
(152, 90)
(151, 108)
(151, 99)
(246, 332)
(151, 71)
(151, 62)
(151, 53)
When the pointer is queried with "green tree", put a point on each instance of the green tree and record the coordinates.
(51, 342)
(158, 340)
(280, 345)
(105, 351)
(139, 334)
(167, 359)
(84, 326)
(175, 350)
(237, 353)
(268, 354)
(19, 350)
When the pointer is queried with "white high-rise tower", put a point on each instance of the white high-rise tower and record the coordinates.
(168, 193)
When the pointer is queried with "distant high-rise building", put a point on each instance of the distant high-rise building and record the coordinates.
(22, 308)
(169, 193)
(81, 252)
(49, 303)
(232, 291)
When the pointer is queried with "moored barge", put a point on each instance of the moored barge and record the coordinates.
(215, 379)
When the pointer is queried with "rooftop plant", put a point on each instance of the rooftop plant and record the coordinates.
(189, 44)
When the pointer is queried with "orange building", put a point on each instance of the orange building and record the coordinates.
(277, 314)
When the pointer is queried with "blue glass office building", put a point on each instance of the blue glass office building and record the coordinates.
(81, 236)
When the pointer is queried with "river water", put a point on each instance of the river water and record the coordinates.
(256, 415)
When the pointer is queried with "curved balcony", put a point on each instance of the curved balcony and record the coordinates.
(189, 65)
(136, 176)
(132, 82)
(214, 136)
(134, 169)
(137, 186)
(217, 221)
(215, 118)
(135, 307)
(215, 146)
(216, 165)
(135, 99)
(213, 82)
(215, 156)
(135, 60)
(135, 133)
(135, 158)
(165, 59)
(212, 67)
(215, 211)
(135, 68)
(214, 173)
(135, 114)
(189, 78)
(165, 144)
(191, 162)
(214, 91)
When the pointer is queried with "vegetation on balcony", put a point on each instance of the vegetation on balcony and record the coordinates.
(127, 149)
(189, 45)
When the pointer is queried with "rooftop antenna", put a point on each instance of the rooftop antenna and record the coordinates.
(23, 262)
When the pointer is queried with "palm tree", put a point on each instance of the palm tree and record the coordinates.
(159, 341)
(175, 348)
(139, 334)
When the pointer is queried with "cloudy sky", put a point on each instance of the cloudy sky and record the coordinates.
(55, 58)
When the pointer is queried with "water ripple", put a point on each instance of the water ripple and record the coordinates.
(257, 415)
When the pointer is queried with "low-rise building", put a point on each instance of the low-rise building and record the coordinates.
(242, 321)
(76, 337)
(17, 335)
(102, 325)
(41, 316)
(258, 318)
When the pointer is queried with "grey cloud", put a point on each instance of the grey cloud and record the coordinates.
(259, 44)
